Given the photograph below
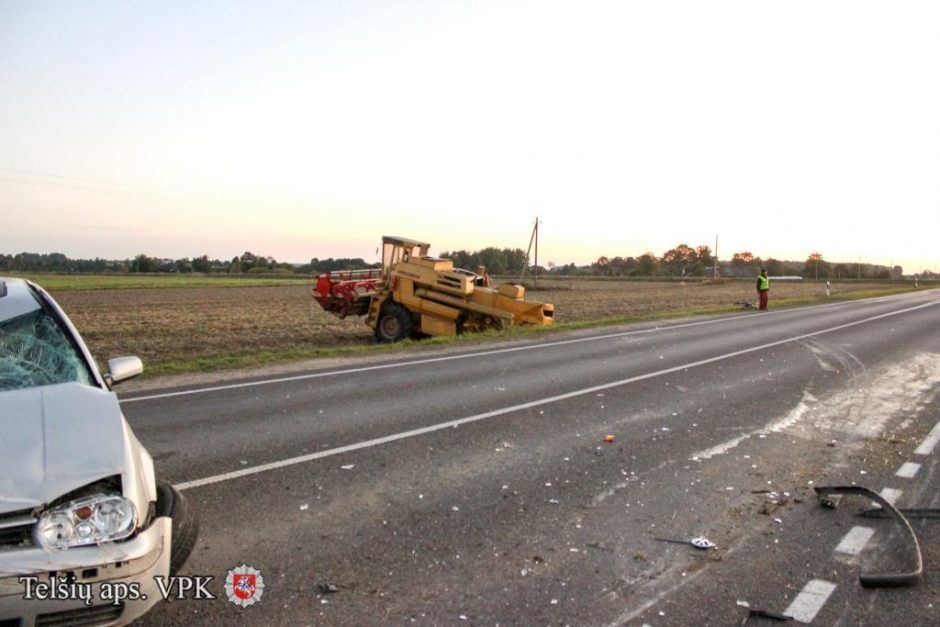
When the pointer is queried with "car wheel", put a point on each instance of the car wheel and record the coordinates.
(172, 503)
(394, 324)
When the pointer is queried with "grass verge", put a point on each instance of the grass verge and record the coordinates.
(264, 358)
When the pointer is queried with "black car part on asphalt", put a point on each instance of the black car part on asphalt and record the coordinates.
(890, 580)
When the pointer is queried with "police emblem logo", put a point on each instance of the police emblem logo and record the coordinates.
(244, 585)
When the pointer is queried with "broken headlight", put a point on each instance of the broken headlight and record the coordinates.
(87, 521)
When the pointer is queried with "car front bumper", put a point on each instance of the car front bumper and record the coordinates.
(100, 573)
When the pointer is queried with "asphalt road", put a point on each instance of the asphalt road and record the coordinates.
(475, 486)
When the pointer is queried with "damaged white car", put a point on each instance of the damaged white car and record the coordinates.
(86, 532)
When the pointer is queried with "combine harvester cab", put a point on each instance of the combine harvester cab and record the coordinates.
(414, 294)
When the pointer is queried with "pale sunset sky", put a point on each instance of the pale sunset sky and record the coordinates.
(312, 128)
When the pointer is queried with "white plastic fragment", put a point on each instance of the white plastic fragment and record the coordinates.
(348, 466)
(304, 507)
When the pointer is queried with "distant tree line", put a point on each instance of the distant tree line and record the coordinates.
(680, 261)
(684, 260)
(246, 263)
(495, 260)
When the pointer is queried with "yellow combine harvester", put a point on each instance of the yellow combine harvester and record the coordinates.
(414, 294)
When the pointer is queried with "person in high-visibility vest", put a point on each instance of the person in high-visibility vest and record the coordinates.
(763, 288)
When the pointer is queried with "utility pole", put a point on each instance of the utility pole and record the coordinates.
(535, 274)
(716, 256)
(533, 239)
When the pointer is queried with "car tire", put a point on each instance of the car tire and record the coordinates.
(395, 324)
(172, 503)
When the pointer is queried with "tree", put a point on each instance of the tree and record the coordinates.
(201, 264)
(249, 260)
(515, 260)
(744, 259)
(622, 267)
(682, 261)
(462, 259)
(774, 267)
(817, 268)
(705, 257)
(143, 263)
(646, 265)
(602, 265)
(494, 260)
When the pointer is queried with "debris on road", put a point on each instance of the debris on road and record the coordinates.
(908, 513)
(348, 466)
(767, 614)
(890, 580)
(328, 588)
(699, 542)
(609, 439)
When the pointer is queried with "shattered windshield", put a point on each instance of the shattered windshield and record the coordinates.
(35, 351)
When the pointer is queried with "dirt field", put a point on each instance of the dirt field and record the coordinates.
(172, 324)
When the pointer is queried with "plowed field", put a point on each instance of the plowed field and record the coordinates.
(171, 324)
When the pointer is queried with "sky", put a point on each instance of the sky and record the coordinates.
(312, 128)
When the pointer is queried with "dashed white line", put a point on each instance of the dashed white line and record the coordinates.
(855, 540)
(810, 600)
(453, 424)
(513, 349)
(891, 495)
(908, 471)
(426, 360)
(926, 447)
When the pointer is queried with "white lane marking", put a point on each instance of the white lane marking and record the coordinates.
(720, 449)
(795, 415)
(428, 360)
(891, 495)
(500, 351)
(926, 447)
(810, 600)
(908, 470)
(855, 540)
(452, 424)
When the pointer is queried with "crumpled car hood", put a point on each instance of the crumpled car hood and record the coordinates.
(56, 438)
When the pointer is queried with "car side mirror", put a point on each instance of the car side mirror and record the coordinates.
(122, 369)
